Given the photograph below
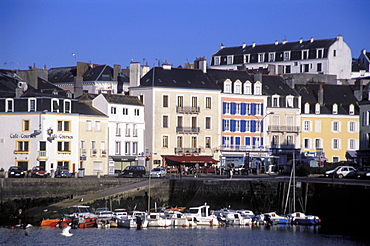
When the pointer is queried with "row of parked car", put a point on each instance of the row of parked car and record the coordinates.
(349, 172)
(37, 172)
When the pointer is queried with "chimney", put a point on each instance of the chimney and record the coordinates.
(258, 77)
(166, 67)
(300, 40)
(203, 65)
(145, 69)
(116, 71)
(134, 74)
(81, 68)
(253, 44)
(311, 39)
(284, 41)
(276, 42)
(320, 95)
(78, 87)
(244, 45)
(222, 46)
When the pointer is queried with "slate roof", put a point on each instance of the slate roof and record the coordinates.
(8, 83)
(342, 95)
(264, 48)
(86, 109)
(67, 74)
(273, 84)
(218, 76)
(177, 77)
(113, 98)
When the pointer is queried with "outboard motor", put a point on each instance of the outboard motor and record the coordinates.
(139, 222)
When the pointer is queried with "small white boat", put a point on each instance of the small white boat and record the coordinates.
(234, 218)
(273, 218)
(158, 220)
(104, 213)
(119, 214)
(179, 219)
(300, 218)
(202, 215)
(136, 219)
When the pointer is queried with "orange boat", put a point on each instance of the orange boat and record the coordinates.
(55, 222)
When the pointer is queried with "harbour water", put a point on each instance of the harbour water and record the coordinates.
(205, 235)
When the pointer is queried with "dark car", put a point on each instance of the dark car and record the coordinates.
(39, 172)
(62, 172)
(363, 173)
(133, 171)
(16, 172)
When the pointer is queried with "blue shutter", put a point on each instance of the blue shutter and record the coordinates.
(253, 126)
(261, 126)
(262, 142)
(247, 141)
(262, 109)
(224, 108)
(231, 141)
(254, 141)
(233, 108)
(223, 141)
(237, 141)
(243, 109)
(223, 125)
(242, 125)
(253, 109)
(232, 125)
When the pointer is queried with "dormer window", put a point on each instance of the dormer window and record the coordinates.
(335, 109)
(275, 101)
(55, 105)
(247, 88)
(230, 59)
(67, 106)
(304, 54)
(31, 104)
(246, 58)
(257, 88)
(286, 55)
(289, 101)
(351, 109)
(9, 105)
(320, 53)
(317, 108)
(237, 87)
(271, 57)
(216, 60)
(261, 57)
(227, 86)
(307, 108)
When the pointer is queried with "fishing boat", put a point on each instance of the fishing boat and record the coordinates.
(158, 220)
(58, 222)
(202, 215)
(82, 217)
(135, 219)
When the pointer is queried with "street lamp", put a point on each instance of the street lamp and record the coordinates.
(261, 145)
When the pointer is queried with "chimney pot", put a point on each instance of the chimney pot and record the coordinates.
(253, 44)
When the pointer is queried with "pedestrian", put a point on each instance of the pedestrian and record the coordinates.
(231, 172)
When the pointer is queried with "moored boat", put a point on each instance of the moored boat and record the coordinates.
(202, 215)
(135, 219)
(300, 218)
(158, 220)
(179, 219)
(273, 218)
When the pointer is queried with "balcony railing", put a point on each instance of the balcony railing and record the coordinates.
(187, 110)
(184, 151)
(243, 148)
(187, 129)
(103, 152)
(83, 152)
(93, 152)
(295, 129)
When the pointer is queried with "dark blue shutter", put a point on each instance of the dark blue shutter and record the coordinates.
(224, 108)
(243, 109)
(254, 141)
(233, 108)
(253, 126)
(261, 126)
(237, 141)
(262, 142)
(247, 141)
(223, 125)
(223, 141)
(262, 109)
(253, 109)
(242, 125)
(231, 141)
(232, 125)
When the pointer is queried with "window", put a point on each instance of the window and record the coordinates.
(237, 88)
(246, 58)
(320, 53)
(64, 146)
(258, 109)
(117, 148)
(257, 88)
(237, 108)
(208, 142)
(305, 68)
(32, 105)
(335, 144)
(136, 112)
(319, 67)
(307, 126)
(275, 140)
(229, 59)
(64, 125)
(180, 101)
(165, 101)
(165, 142)
(261, 57)
(134, 130)
(290, 140)
(335, 109)
(165, 121)
(317, 108)
(216, 60)
(307, 108)
(334, 53)
(226, 125)
(113, 110)
(208, 102)
(179, 141)
(351, 109)
(127, 130)
(248, 126)
(63, 164)
(194, 141)
(247, 88)
(9, 105)
(97, 126)
(304, 54)
(55, 105)
(227, 108)
(83, 147)
(271, 57)
(288, 69)
(318, 126)
(307, 143)
(318, 143)
(127, 148)
(67, 106)
(275, 101)
(335, 158)
(352, 126)
(125, 111)
(208, 122)
(118, 129)
(286, 55)
(289, 101)
(194, 102)
(134, 148)
(237, 125)
(94, 151)
(26, 125)
(335, 126)
(352, 144)
(22, 146)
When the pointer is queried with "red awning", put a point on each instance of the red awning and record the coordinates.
(191, 159)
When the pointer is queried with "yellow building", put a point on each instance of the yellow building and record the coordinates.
(330, 121)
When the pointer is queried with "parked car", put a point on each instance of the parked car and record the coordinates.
(238, 169)
(39, 172)
(363, 173)
(62, 172)
(133, 171)
(341, 171)
(16, 172)
(158, 172)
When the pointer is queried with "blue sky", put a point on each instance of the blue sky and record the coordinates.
(47, 32)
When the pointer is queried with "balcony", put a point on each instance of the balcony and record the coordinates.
(187, 110)
(187, 151)
(243, 148)
(83, 152)
(187, 129)
(292, 129)
(103, 153)
(42, 156)
(93, 152)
